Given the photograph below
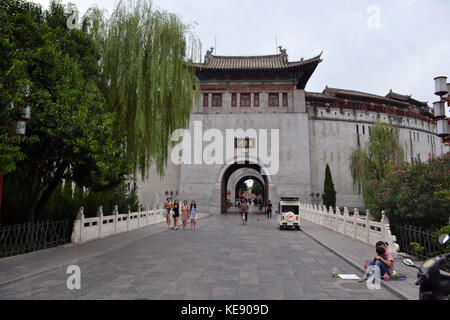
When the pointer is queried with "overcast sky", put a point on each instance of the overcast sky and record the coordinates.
(371, 46)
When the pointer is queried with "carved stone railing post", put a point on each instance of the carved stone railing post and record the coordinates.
(368, 219)
(128, 219)
(139, 217)
(355, 223)
(100, 220)
(384, 227)
(78, 227)
(116, 217)
(338, 219)
(345, 220)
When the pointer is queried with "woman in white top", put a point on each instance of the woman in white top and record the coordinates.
(193, 215)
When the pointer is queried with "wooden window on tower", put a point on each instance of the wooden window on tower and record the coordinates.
(285, 99)
(217, 100)
(256, 100)
(274, 99)
(234, 99)
(245, 100)
(205, 99)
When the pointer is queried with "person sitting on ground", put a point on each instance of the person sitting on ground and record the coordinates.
(384, 260)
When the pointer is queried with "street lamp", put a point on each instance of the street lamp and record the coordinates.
(442, 89)
(20, 127)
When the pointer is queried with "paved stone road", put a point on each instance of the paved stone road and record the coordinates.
(223, 259)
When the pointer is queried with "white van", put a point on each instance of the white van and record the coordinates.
(289, 213)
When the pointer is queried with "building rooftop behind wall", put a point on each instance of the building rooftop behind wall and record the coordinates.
(392, 99)
(270, 62)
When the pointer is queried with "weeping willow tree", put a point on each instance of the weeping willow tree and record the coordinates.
(147, 75)
(376, 159)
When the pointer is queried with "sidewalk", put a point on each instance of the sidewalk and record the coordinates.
(356, 253)
(19, 267)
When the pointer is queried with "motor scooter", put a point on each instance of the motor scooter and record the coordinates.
(432, 284)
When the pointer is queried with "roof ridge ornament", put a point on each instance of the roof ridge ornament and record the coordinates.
(283, 54)
(282, 50)
(209, 54)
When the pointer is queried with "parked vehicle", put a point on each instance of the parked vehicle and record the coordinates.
(433, 285)
(288, 213)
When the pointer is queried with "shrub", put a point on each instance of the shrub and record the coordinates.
(414, 194)
(329, 194)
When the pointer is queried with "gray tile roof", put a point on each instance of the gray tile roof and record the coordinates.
(270, 62)
(405, 98)
(362, 95)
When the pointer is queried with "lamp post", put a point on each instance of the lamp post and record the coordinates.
(442, 89)
(20, 126)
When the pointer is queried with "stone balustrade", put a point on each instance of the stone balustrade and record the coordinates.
(87, 229)
(355, 226)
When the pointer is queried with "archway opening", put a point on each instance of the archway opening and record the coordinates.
(250, 188)
(258, 176)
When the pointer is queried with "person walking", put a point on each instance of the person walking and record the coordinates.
(244, 210)
(168, 206)
(176, 214)
(269, 209)
(193, 215)
(185, 213)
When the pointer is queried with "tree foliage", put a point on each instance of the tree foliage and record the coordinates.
(257, 187)
(147, 76)
(377, 158)
(329, 193)
(70, 135)
(414, 193)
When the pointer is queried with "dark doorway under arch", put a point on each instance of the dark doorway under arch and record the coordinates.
(250, 177)
(226, 176)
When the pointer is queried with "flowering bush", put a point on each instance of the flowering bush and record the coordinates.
(414, 194)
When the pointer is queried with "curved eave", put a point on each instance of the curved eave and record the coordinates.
(202, 67)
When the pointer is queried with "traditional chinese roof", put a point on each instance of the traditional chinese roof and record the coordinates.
(270, 62)
(301, 70)
(352, 94)
(335, 94)
(406, 98)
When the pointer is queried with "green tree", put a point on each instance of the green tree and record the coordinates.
(329, 193)
(411, 193)
(376, 159)
(14, 15)
(257, 188)
(147, 76)
(70, 135)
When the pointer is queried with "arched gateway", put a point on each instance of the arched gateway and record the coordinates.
(313, 129)
(235, 167)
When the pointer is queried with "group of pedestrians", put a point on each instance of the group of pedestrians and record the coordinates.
(188, 212)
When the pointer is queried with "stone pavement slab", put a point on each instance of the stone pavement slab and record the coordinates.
(19, 267)
(357, 253)
(222, 259)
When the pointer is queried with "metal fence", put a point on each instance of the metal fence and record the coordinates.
(407, 236)
(27, 237)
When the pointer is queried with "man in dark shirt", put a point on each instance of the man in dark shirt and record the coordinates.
(269, 209)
